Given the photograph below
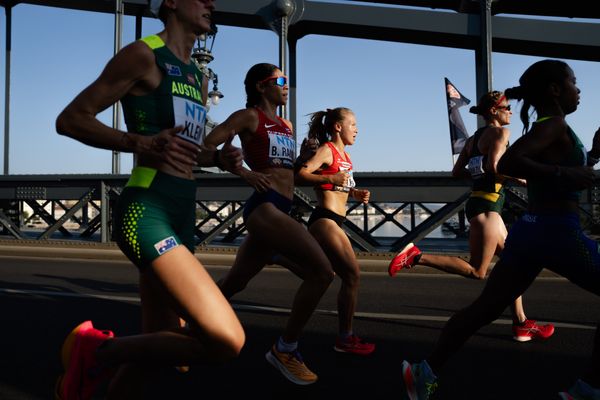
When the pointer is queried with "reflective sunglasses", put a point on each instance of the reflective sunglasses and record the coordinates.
(280, 81)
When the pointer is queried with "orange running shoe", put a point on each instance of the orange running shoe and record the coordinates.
(291, 366)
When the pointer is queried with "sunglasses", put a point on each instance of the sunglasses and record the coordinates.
(507, 108)
(280, 81)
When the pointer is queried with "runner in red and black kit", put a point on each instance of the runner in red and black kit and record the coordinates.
(330, 171)
(269, 149)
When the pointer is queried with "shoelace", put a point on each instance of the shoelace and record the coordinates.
(430, 388)
(296, 355)
(355, 340)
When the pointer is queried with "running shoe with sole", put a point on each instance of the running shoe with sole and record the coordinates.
(531, 330)
(404, 259)
(580, 391)
(354, 345)
(291, 366)
(419, 380)
(82, 372)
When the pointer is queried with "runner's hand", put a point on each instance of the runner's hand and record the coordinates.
(361, 195)
(309, 147)
(596, 141)
(259, 181)
(339, 179)
(577, 178)
(175, 151)
(231, 157)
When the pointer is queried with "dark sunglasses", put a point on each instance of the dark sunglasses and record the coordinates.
(507, 108)
(280, 81)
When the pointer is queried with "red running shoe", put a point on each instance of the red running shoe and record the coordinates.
(531, 330)
(404, 259)
(355, 345)
(82, 372)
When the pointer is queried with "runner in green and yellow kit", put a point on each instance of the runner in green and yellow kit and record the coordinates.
(161, 93)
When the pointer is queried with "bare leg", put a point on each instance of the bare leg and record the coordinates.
(593, 378)
(452, 265)
(505, 284)
(288, 237)
(177, 280)
(343, 259)
(252, 256)
(486, 239)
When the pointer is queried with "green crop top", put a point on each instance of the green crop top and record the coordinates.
(176, 101)
(539, 190)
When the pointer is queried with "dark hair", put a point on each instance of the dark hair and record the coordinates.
(254, 75)
(486, 102)
(533, 84)
(322, 122)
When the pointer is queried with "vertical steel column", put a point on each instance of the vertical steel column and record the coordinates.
(104, 212)
(116, 156)
(138, 27)
(8, 9)
(292, 85)
(283, 57)
(284, 9)
(138, 35)
(483, 54)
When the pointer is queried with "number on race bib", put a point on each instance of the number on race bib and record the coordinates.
(475, 166)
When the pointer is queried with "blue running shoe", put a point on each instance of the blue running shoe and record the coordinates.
(580, 391)
(419, 380)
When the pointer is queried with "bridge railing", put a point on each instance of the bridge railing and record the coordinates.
(405, 207)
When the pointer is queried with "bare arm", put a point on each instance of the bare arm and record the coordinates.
(306, 175)
(459, 170)
(536, 155)
(78, 120)
(242, 122)
(131, 67)
(239, 121)
(245, 120)
(497, 144)
(595, 151)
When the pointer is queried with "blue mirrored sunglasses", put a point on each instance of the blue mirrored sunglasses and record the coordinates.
(280, 81)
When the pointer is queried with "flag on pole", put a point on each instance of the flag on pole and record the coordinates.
(458, 133)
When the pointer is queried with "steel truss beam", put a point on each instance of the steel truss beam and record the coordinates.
(391, 194)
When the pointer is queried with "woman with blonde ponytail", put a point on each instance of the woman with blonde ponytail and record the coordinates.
(329, 170)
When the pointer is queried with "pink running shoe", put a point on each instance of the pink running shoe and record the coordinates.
(82, 372)
(353, 345)
(531, 330)
(404, 259)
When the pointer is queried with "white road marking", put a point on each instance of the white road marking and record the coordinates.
(279, 310)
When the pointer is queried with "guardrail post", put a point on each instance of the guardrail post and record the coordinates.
(104, 212)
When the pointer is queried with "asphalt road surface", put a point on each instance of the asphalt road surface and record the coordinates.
(41, 299)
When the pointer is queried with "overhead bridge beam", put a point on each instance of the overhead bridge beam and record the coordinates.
(529, 36)
(545, 38)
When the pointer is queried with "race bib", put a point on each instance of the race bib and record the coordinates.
(475, 166)
(346, 167)
(192, 116)
(282, 150)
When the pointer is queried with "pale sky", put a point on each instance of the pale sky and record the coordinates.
(396, 90)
